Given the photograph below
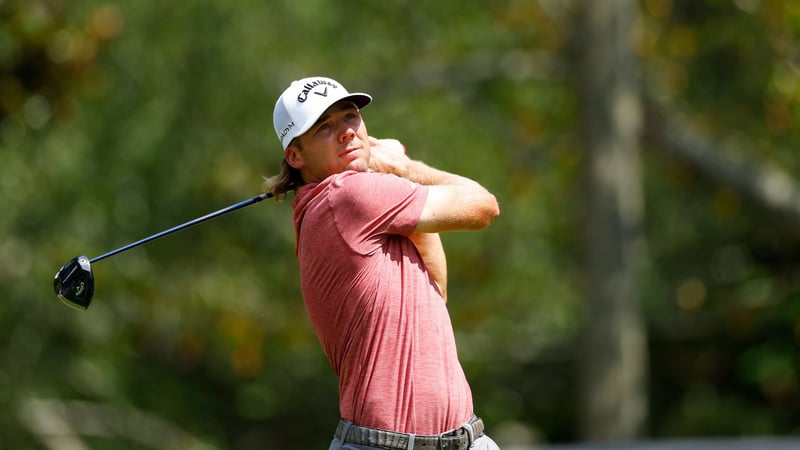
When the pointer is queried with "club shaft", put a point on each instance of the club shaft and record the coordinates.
(183, 226)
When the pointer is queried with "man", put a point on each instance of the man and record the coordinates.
(373, 270)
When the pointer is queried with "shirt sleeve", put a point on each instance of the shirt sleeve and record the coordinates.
(369, 206)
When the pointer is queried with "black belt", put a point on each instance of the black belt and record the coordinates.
(459, 439)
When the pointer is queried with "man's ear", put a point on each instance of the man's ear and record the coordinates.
(293, 157)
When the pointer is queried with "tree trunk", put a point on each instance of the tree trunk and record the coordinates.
(612, 370)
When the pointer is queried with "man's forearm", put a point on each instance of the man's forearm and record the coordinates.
(421, 173)
(388, 156)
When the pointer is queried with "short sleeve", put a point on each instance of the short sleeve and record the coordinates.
(369, 206)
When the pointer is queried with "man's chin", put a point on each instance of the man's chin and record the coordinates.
(358, 166)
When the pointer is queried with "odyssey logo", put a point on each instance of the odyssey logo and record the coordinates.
(286, 130)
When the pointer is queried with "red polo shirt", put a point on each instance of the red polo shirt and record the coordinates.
(380, 318)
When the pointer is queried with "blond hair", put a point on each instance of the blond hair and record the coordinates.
(288, 180)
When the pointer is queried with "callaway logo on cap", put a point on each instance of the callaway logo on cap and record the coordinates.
(304, 101)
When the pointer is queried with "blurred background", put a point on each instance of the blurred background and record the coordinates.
(640, 284)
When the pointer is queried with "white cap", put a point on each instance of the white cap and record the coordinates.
(304, 101)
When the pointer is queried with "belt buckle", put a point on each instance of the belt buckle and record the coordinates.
(452, 440)
(441, 445)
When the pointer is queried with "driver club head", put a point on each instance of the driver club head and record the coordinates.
(74, 283)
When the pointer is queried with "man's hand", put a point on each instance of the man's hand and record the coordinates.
(388, 156)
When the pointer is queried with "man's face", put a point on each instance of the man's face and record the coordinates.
(338, 141)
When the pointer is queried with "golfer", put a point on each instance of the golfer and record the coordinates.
(373, 271)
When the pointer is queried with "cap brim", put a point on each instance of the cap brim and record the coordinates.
(359, 99)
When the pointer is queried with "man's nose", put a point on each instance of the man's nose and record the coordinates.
(347, 134)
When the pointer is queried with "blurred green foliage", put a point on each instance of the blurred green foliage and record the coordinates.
(120, 119)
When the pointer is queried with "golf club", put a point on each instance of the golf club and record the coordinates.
(74, 282)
